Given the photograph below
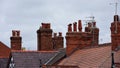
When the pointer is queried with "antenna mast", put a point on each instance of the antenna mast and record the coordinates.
(116, 10)
(116, 6)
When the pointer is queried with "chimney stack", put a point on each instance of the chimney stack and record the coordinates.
(60, 34)
(44, 37)
(116, 18)
(94, 24)
(70, 28)
(16, 40)
(115, 33)
(79, 26)
(58, 41)
(77, 39)
(89, 25)
(55, 34)
(75, 26)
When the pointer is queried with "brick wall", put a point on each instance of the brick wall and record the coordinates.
(58, 41)
(44, 37)
(45, 40)
(78, 39)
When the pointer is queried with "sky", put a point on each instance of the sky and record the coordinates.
(27, 16)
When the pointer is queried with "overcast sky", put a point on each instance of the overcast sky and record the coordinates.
(27, 16)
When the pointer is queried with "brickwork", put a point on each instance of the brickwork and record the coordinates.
(94, 31)
(44, 36)
(78, 39)
(16, 40)
(115, 32)
(46, 41)
(79, 26)
(70, 28)
(57, 41)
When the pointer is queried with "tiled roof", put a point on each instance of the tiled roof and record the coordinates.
(31, 59)
(117, 57)
(99, 57)
(61, 54)
(4, 50)
(3, 62)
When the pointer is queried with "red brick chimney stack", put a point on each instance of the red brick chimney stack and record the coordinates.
(70, 28)
(46, 41)
(115, 33)
(91, 28)
(79, 26)
(75, 26)
(94, 24)
(60, 34)
(55, 34)
(116, 18)
(89, 25)
(78, 39)
(44, 36)
(15, 33)
(57, 41)
(16, 40)
(88, 28)
(45, 25)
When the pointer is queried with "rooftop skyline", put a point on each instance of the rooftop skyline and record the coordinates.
(27, 16)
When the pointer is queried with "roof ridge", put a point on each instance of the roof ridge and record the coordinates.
(3, 57)
(3, 44)
(31, 51)
(94, 47)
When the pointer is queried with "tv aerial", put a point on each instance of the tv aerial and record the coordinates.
(116, 6)
(89, 19)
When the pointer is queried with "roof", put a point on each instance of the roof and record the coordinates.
(61, 54)
(3, 62)
(4, 50)
(31, 59)
(99, 57)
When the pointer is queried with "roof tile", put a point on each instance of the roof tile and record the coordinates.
(31, 59)
(4, 50)
(93, 57)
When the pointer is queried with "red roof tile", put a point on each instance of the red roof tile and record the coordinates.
(4, 51)
(90, 58)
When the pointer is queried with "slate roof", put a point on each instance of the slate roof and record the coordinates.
(3, 62)
(99, 57)
(4, 55)
(31, 59)
(61, 54)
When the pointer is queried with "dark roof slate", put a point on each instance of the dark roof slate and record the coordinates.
(61, 54)
(31, 59)
(3, 62)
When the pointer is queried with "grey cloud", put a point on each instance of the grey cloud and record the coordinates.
(27, 15)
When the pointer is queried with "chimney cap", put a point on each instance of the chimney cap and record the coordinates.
(116, 17)
(16, 33)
